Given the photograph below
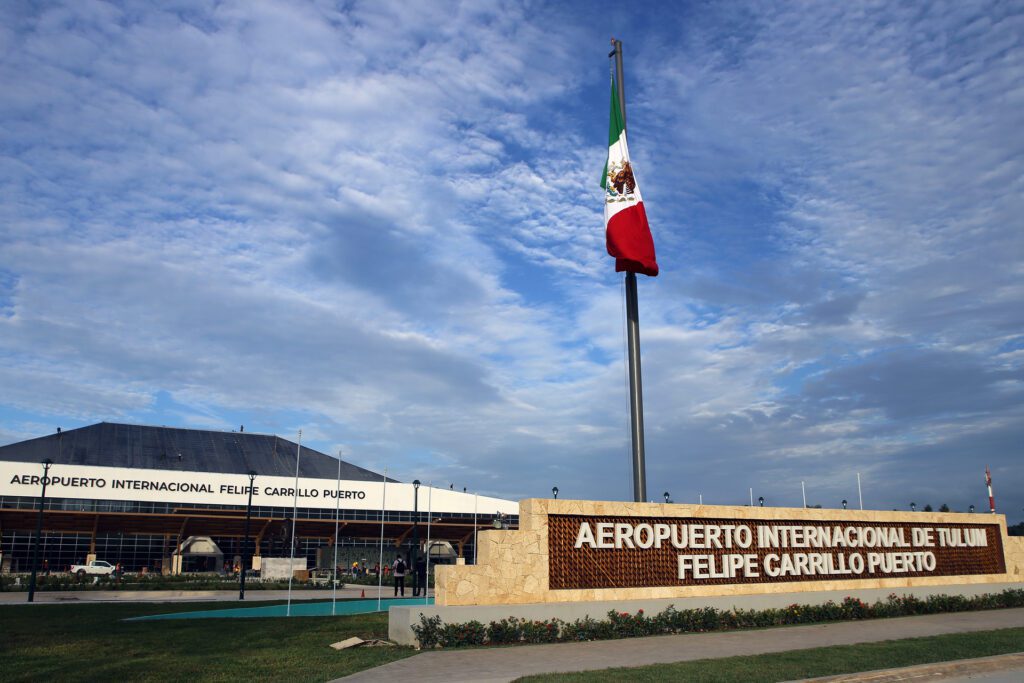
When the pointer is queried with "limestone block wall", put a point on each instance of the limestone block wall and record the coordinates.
(1014, 547)
(512, 566)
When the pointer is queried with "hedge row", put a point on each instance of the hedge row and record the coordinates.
(432, 632)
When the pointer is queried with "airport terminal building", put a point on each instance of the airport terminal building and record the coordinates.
(142, 496)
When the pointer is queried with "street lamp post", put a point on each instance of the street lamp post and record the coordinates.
(760, 501)
(415, 536)
(245, 546)
(970, 509)
(844, 503)
(39, 532)
(666, 497)
(554, 492)
(913, 507)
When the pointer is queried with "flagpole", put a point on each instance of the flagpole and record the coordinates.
(337, 510)
(430, 516)
(295, 511)
(636, 392)
(383, 509)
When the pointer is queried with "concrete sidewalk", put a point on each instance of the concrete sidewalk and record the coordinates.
(251, 595)
(509, 663)
(998, 669)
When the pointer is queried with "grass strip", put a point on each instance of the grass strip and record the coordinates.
(90, 642)
(822, 661)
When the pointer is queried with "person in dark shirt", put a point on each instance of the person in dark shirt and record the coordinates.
(421, 577)
(399, 569)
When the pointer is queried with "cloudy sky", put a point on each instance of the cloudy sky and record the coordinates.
(380, 223)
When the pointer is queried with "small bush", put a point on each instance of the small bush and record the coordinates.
(428, 631)
(505, 632)
(462, 635)
(626, 625)
(587, 629)
(546, 631)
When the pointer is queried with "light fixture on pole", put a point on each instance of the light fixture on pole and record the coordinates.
(415, 535)
(760, 501)
(39, 532)
(844, 503)
(970, 509)
(245, 545)
(554, 492)
(913, 507)
(667, 497)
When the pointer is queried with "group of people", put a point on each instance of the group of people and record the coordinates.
(401, 568)
(362, 570)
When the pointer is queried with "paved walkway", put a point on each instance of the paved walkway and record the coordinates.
(251, 595)
(509, 663)
(998, 669)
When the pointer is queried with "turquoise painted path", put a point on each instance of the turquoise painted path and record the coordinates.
(299, 609)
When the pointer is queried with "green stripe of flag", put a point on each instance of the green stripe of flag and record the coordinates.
(615, 128)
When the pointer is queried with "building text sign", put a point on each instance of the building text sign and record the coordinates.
(216, 488)
(636, 552)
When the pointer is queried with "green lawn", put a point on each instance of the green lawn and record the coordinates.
(825, 661)
(89, 642)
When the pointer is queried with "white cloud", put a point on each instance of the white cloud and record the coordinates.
(381, 221)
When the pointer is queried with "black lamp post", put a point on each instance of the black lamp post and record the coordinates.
(760, 501)
(970, 509)
(415, 536)
(554, 492)
(666, 496)
(245, 545)
(39, 532)
(913, 507)
(844, 503)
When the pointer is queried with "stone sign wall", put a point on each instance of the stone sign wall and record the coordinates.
(621, 552)
(570, 550)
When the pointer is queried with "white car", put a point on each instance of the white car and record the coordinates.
(94, 568)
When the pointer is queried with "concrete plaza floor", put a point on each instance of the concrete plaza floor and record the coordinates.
(350, 591)
(509, 663)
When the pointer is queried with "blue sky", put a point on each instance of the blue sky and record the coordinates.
(380, 223)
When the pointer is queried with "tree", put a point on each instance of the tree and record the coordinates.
(944, 508)
(1016, 530)
(928, 508)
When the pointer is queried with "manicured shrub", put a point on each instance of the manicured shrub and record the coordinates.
(508, 631)
(587, 629)
(626, 625)
(546, 631)
(461, 635)
(433, 633)
(428, 631)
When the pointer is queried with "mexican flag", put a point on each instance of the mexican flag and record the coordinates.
(627, 234)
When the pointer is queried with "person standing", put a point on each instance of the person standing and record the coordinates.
(399, 568)
(421, 577)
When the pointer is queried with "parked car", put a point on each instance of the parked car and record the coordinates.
(322, 577)
(94, 568)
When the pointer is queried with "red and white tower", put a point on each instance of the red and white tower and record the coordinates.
(991, 500)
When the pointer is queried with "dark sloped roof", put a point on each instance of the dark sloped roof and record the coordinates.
(109, 444)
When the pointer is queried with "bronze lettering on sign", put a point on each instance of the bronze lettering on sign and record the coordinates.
(642, 552)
